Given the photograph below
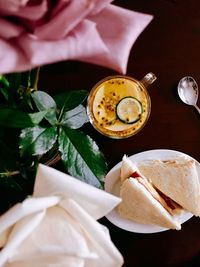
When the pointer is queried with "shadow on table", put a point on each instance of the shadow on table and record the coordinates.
(165, 249)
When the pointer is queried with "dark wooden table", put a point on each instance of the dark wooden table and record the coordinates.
(169, 47)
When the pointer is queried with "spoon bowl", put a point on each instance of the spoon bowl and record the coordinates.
(188, 91)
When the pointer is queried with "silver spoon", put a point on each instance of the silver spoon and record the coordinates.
(188, 91)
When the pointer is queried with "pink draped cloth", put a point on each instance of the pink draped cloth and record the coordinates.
(34, 33)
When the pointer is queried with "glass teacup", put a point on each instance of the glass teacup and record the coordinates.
(119, 106)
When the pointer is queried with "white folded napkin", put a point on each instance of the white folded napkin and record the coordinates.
(57, 227)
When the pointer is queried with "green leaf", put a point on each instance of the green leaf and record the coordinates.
(81, 156)
(71, 99)
(4, 86)
(11, 85)
(5, 89)
(37, 140)
(37, 116)
(43, 101)
(12, 118)
(4, 82)
(75, 118)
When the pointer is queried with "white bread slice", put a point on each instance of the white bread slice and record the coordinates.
(127, 168)
(139, 205)
(178, 179)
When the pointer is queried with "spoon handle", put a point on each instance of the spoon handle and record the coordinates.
(197, 108)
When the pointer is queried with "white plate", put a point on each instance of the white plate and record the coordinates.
(112, 185)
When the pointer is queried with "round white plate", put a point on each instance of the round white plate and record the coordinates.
(112, 185)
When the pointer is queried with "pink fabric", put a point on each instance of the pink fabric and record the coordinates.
(47, 31)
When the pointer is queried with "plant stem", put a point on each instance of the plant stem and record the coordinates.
(35, 85)
(56, 158)
(60, 115)
(9, 173)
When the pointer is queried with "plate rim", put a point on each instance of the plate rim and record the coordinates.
(123, 223)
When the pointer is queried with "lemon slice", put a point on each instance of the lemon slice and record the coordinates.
(129, 110)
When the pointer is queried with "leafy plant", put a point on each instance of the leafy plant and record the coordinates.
(36, 127)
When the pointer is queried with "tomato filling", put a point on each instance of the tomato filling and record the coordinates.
(135, 174)
(164, 200)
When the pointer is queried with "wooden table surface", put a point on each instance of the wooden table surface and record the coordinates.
(169, 47)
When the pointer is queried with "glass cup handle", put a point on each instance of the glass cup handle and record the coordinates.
(148, 79)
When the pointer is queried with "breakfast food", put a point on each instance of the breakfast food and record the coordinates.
(140, 205)
(118, 106)
(178, 179)
(143, 202)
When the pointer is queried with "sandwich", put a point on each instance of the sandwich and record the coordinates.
(143, 202)
(178, 179)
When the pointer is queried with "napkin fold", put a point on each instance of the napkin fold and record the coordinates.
(95, 202)
(93, 31)
(57, 225)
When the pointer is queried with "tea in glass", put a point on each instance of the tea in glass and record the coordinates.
(119, 106)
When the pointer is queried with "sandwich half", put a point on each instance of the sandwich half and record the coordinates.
(178, 179)
(143, 202)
